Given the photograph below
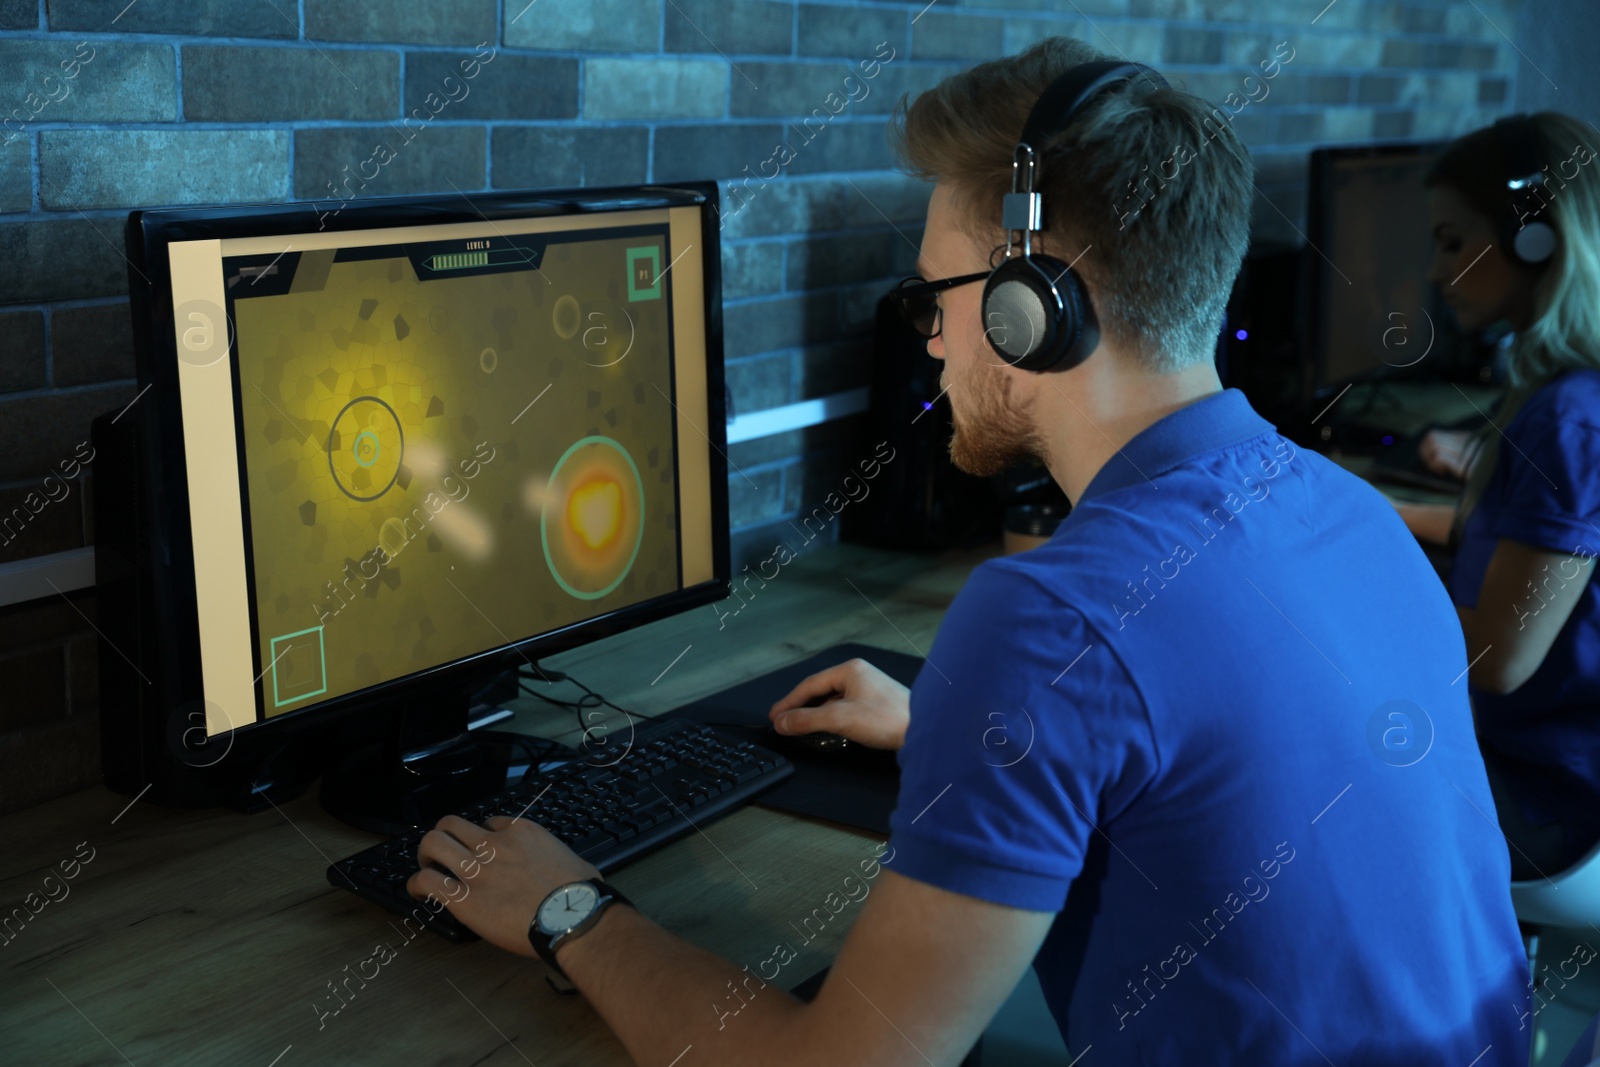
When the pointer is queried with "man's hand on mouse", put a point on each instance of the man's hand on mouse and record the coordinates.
(861, 703)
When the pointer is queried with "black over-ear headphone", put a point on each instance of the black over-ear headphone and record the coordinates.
(1036, 312)
(1530, 242)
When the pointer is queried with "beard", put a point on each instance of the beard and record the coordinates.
(991, 432)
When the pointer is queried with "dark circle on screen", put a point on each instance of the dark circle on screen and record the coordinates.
(544, 531)
(334, 471)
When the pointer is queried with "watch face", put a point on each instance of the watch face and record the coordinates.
(567, 907)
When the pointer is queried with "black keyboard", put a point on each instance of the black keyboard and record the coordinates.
(671, 778)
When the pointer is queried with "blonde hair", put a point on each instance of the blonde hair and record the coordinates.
(1565, 331)
(1160, 274)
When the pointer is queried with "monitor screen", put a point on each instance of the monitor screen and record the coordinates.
(1369, 223)
(424, 442)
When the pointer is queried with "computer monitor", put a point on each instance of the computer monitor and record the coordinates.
(1371, 310)
(391, 449)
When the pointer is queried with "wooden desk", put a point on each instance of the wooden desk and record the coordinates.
(210, 937)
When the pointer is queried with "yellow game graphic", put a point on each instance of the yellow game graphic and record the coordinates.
(449, 449)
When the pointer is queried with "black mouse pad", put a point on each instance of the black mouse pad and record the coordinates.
(854, 788)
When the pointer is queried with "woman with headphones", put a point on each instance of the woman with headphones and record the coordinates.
(1515, 213)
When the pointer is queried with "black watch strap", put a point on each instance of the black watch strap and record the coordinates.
(542, 943)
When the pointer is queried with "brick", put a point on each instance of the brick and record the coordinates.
(203, 18)
(39, 517)
(21, 351)
(83, 675)
(808, 482)
(62, 259)
(655, 88)
(754, 497)
(845, 146)
(758, 384)
(121, 82)
(1023, 33)
(507, 87)
(1302, 128)
(43, 430)
(822, 204)
(91, 344)
(717, 151)
(816, 262)
(49, 760)
(230, 84)
(1087, 7)
(832, 368)
(1406, 53)
(593, 26)
(729, 27)
(1184, 44)
(16, 173)
(856, 309)
(436, 159)
(824, 33)
(551, 157)
(755, 545)
(771, 325)
(1346, 124)
(53, 621)
(1391, 125)
(826, 92)
(468, 22)
(19, 15)
(939, 35)
(751, 268)
(1378, 89)
(132, 168)
(1421, 20)
(35, 685)
(1328, 88)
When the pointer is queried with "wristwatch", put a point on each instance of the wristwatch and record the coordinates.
(568, 911)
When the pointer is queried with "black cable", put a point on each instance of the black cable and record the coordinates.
(589, 700)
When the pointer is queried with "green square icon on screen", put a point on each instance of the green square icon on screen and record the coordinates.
(299, 666)
(644, 273)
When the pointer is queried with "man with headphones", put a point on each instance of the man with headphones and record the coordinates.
(1192, 761)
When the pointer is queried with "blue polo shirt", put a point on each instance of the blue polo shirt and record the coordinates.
(1214, 723)
(1545, 491)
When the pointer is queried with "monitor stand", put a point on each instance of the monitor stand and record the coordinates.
(427, 766)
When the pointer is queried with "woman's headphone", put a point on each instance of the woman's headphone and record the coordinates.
(1532, 243)
(1036, 312)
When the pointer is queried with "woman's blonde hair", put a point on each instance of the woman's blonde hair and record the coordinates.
(1150, 180)
(1565, 331)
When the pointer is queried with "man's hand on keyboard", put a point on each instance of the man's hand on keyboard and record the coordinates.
(866, 705)
(498, 875)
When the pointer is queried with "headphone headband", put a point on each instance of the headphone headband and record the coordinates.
(1520, 145)
(1063, 98)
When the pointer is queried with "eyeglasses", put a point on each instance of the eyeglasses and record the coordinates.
(919, 300)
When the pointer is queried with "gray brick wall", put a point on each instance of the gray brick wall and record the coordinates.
(104, 107)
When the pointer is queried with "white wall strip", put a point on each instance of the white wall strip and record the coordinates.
(42, 576)
(797, 416)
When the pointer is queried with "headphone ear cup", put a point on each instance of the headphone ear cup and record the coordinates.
(1534, 243)
(1036, 314)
